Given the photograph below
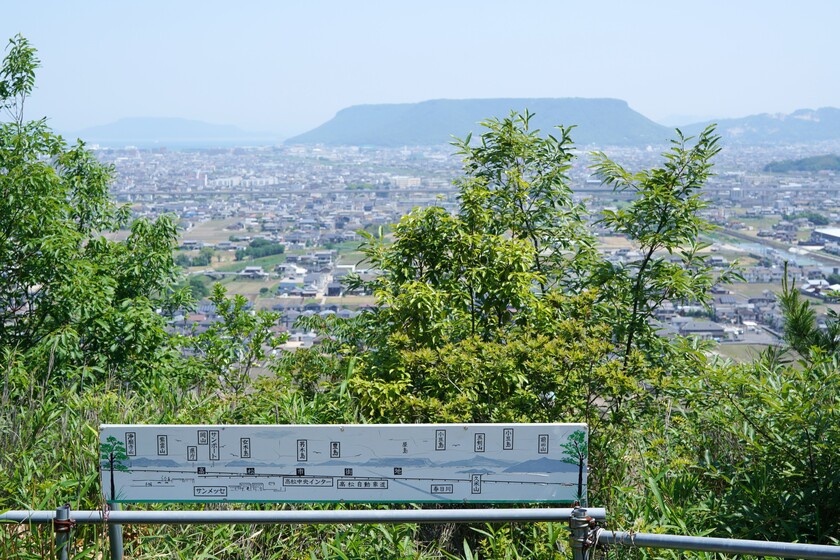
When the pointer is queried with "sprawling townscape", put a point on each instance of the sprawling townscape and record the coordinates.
(311, 201)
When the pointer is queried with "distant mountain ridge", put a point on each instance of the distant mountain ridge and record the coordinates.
(597, 121)
(172, 131)
(802, 126)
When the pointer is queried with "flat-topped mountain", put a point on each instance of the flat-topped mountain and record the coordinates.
(169, 131)
(598, 121)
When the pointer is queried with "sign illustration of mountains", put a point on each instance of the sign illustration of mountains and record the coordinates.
(354, 463)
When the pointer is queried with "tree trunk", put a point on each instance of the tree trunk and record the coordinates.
(580, 482)
(111, 464)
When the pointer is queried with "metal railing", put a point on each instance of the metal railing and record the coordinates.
(711, 544)
(63, 519)
(586, 535)
(294, 517)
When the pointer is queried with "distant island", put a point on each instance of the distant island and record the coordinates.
(598, 122)
(828, 162)
(172, 132)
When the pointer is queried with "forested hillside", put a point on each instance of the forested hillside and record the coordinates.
(503, 311)
(828, 162)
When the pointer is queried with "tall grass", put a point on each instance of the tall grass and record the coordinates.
(653, 475)
(49, 456)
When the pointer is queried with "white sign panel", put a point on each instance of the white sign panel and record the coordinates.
(354, 463)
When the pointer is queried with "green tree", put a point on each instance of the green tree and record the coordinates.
(204, 257)
(234, 346)
(801, 331)
(814, 217)
(183, 260)
(503, 312)
(515, 184)
(198, 287)
(260, 248)
(663, 220)
(448, 277)
(442, 282)
(73, 304)
(259, 242)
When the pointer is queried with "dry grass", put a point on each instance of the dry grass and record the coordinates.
(754, 290)
(211, 231)
(740, 352)
(350, 301)
(612, 242)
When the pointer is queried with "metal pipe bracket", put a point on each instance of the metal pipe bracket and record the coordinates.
(64, 525)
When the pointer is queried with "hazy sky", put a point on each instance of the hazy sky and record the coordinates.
(286, 67)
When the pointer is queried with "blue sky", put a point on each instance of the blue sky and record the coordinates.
(285, 67)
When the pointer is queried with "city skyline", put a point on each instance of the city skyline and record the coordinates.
(285, 69)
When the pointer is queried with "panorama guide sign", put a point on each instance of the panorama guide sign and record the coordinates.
(440, 463)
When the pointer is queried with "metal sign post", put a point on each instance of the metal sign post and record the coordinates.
(579, 527)
(115, 536)
(62, 525)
